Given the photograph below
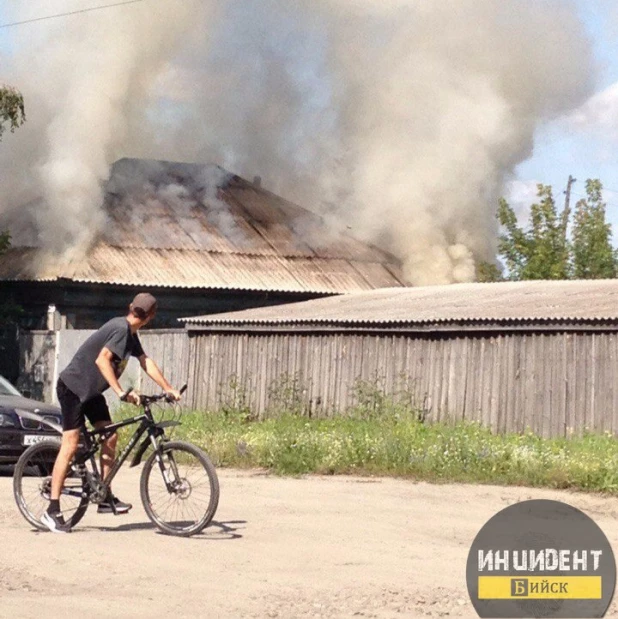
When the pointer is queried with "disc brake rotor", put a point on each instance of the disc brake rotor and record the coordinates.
(183, 489)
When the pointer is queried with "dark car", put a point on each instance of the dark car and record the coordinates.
(21, 422)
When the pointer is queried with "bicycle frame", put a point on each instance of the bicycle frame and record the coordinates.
(94, 439)
(182, 465)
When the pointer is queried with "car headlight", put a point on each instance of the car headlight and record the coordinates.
(38, 423)
(8, 420)
(53, 419)
(25, 422)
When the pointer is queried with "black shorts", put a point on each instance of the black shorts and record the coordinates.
(75, 412)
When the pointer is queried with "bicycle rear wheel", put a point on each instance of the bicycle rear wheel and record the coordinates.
(32, 486)
(181, 492)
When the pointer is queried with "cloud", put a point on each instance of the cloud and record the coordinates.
(521, 194)
(598, 115)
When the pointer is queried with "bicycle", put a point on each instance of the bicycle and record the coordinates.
(177, 462)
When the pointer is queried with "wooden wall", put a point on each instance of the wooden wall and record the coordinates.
(553, 383)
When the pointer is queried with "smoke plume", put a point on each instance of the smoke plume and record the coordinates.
(401, 120)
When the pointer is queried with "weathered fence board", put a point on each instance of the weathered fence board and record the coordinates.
(554, 384)
(551, 383)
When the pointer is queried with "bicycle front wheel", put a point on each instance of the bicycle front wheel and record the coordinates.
(180, 492)
(32, 486)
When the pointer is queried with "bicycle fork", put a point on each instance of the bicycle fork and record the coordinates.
(170, 475)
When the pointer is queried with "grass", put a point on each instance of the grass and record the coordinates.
(397, 443)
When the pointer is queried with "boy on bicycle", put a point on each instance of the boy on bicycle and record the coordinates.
(96, 366)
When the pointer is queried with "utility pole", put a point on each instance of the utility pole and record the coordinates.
(567, 207)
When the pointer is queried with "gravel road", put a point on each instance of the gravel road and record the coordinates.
(279, 547)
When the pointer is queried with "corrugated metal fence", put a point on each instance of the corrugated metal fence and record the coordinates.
(37, 353)
(552, 383)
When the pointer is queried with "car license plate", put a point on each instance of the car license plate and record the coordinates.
(31, 439)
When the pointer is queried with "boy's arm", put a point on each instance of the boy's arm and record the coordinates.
(104, 363)
(151, 368)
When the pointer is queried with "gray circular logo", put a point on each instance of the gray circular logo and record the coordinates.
(541, 559)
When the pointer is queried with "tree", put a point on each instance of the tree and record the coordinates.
(541, 251)
(5, 239)
(593, 254)
(488, 272)
(12, 111)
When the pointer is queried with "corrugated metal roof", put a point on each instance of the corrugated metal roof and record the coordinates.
(197, 269)
(584, 300)
(196, 226)
(202, 207)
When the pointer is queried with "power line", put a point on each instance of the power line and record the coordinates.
(604, 189)
(93, 8)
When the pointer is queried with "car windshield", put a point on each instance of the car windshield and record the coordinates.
(6, 388)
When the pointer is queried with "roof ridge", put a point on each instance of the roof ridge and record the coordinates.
(565, 301)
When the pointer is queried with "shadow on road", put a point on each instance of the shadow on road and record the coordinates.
(215, 531)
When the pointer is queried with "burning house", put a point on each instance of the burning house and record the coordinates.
(201, 239)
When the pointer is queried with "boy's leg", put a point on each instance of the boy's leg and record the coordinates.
(98, 415)
(108, 449)
(72, 418)
(68, 448)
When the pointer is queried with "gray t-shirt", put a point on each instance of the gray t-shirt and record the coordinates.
(82, 376)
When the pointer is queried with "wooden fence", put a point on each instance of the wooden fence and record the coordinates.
(553, 383)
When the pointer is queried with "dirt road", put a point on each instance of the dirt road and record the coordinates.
(293, 548)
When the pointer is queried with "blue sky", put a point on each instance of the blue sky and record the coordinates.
(585, 143)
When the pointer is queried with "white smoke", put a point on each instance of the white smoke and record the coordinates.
(147, 189)
(402, 119)
(85, 78)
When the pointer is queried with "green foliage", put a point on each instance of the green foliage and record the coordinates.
(542, 250)
(12, 110)
(12, 115)
(388, 435)
(593, 254)
(286, 395)
(488, 272)
(372, 402)
(234, 399)
(402, 445)
(5, 240)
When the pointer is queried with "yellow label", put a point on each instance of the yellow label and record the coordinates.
(540, 588)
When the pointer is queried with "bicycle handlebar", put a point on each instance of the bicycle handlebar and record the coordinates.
(149, 399)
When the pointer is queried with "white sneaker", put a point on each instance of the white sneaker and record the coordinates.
(55, 523)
